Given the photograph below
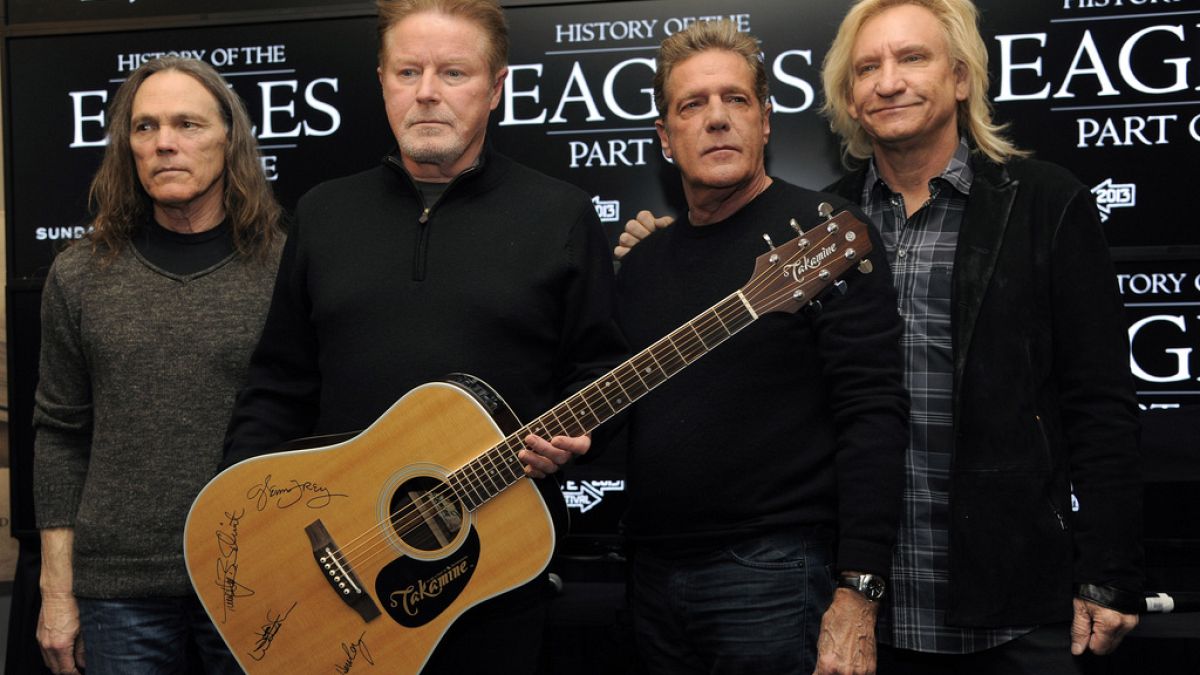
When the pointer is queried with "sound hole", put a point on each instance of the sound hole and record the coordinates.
(425, 513)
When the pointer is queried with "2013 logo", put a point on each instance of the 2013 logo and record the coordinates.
(1110, 195)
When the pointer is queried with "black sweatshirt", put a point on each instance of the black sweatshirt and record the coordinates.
(799, 420)
(507, 277)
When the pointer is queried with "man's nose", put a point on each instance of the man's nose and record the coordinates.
(890, 81)
(717, 116)
(428, 89)
(165, 140)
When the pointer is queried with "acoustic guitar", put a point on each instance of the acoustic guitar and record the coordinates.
(357, 553)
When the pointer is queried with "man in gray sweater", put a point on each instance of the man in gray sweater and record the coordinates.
(147, 328)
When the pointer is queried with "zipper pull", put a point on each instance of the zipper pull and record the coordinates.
(424, 216)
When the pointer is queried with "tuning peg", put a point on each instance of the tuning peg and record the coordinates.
(840, 286)
(795, 226)
(866, 267)
(824, 210)
(770, 244)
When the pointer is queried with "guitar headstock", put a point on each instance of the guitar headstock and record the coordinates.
(793, 274)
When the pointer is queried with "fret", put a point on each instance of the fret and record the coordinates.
(537, 428)
(500, 469)
(549, 416)
(578, 428)
(628, 384)
(582, 413)
(734, 314)
(472, 498)
(460, 490)
(621, 398)
(487, 476)
(667, 356)
(513, 469)
(670, 339)
(647, 369)
(596, 401)
(717, 313)
(696, 347)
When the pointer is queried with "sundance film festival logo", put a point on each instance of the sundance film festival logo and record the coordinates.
(586, 495)
(609, 211)
(1110, 195)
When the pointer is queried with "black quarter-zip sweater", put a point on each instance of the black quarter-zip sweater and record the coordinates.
(506, 276)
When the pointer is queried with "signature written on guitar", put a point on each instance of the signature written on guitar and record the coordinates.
(227, 564)
(314, 496)
(269, 630)
(352, 652)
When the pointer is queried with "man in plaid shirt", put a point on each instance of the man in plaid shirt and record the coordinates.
(1019, 543)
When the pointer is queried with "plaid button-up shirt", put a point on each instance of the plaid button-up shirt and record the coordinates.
(921, 252)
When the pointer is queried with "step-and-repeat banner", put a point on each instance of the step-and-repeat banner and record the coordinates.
(1108, 88)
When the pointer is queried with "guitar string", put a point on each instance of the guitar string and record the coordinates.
(407, 520)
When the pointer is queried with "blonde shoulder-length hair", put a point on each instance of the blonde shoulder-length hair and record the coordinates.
(960, 24)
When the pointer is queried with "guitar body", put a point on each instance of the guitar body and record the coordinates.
(357, 553)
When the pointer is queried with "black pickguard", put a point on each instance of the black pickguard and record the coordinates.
(414, 592)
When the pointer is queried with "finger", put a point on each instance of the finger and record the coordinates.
(1081, 629)
(80, 662)
(639, 229)
(620, 251)
(536, 465)
(1128, 623)
(645, 221)
(627, 240)
(574, 445)
(557, 455)
(664, 221)
(1108, 629)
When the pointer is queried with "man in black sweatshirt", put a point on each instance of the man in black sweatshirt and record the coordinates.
(775, 461)
(445, 258)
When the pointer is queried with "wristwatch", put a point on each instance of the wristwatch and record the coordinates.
(872, 586)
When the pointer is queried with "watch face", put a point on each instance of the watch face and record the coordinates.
(872, 587)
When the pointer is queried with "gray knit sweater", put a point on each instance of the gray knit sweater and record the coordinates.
(139, 369)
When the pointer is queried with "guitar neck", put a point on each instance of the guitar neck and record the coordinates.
(489, 474)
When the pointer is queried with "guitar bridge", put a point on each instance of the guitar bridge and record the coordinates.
(338, 572)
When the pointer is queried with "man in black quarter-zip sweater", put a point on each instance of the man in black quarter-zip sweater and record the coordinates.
(447, 258)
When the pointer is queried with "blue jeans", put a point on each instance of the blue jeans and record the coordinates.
(151, 636)
(753, 607)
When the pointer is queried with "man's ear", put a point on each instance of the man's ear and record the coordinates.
(664, 138)
(766, 123)
(498, 88)
(962, 83)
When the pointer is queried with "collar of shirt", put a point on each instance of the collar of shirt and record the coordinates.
(958, 174)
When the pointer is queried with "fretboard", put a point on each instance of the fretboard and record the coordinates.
(488, 475)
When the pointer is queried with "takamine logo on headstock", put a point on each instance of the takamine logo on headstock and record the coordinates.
(791, 275)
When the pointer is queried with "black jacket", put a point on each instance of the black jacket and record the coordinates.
(1043, 403)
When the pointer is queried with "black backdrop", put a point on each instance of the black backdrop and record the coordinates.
(1108, 88)
(1104, 87)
